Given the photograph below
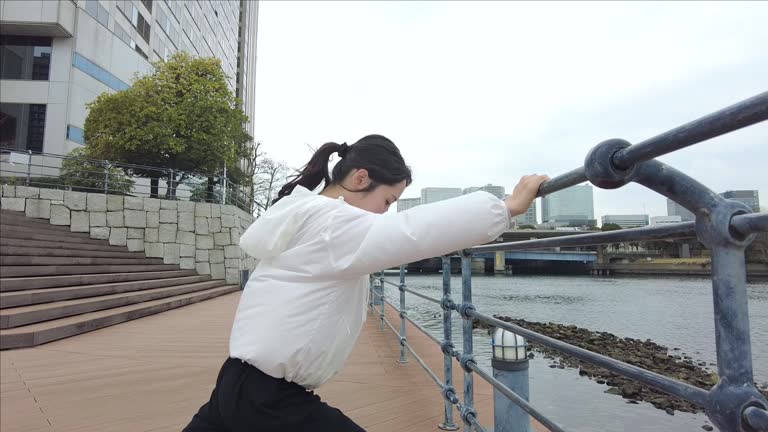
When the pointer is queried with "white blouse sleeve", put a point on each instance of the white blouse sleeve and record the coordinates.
(361, 242)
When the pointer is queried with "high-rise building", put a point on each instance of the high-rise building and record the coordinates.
(406, 203)
(58, 55)
(435, 194)
(665, 220)
(497, 191)
(626, 221)
(749, 197)
(529, 217)
(571, 206)
(675, 209)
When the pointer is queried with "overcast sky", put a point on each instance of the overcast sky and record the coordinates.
(477, 93)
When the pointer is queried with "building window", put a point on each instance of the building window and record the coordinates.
(97, 11)
(135, 17)
(143, 27)
(99, 73)
(148, 4)
(25, 57)
(75, 134)
(22, 126)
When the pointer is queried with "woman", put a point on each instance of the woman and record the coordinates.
(305, 302)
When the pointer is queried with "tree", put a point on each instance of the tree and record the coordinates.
(270, 177)
(610, 227)
(83, 173)
(526, 227)
(180, 117)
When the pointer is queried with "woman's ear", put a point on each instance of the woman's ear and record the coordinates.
(360, 179)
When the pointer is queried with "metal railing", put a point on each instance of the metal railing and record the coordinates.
(101, 176)
(726, 227)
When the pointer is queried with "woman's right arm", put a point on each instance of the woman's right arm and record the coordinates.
(361, 242)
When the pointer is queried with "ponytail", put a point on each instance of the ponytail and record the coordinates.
(374, 153)
(315, 171)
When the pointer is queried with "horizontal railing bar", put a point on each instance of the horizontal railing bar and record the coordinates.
(425, 297)
(742, 114)
(757, 418)
(423, 330)
(475, 423)
(388, 282)
(563, 181)
(516, 399)
(750, 223)
(659, 232)
(424, 366)
(660, 382)
(113, 164)
(391, 327)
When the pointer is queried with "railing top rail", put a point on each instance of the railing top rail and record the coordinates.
(105, 162)
(739, 115)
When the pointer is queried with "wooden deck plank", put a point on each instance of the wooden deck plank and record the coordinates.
(152, 374)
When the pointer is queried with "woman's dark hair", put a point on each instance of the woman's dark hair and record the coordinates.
(374, 153)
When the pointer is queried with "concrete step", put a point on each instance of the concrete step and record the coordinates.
(26, 260)
(63, 270)
(25, 315)
(64, 237)
(10, 215)
(52, 252)
(23, 221)
(18, 231)
(37, 282)
(48, 295)
(36, 334)
(61, 245)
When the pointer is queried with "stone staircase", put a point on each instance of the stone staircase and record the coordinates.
(55, 283)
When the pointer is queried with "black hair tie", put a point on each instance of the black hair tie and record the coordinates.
(342, 151)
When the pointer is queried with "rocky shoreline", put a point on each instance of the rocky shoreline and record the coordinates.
(645, 354)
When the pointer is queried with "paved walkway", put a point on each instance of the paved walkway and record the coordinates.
(153, 373)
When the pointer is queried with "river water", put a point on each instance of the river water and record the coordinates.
(675, 312)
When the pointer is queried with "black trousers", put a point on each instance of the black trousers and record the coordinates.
(247, 399)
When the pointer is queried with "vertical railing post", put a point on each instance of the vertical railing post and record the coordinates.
(447, 304)
(466, 304)
(403, 359)
(381, 288)
(29, 167)
(106, 176)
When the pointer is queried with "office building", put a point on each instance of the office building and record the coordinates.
(573, 206)
(675, 209)
(58, 55)
(529, 217)
(749, 197)
(665, 220)
(407, 203)
(497, 191)
(435, 194)
(626, 221)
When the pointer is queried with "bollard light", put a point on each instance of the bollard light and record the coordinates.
(508, 346)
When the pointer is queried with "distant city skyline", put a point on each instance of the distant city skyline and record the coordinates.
(463, 117)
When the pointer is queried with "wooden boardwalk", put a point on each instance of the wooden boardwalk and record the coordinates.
(153, 373)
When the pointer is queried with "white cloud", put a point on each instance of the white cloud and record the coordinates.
(477, 93)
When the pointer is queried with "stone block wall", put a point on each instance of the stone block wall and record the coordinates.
(200, 236)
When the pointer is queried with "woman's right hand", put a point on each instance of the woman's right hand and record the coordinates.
(524, 194)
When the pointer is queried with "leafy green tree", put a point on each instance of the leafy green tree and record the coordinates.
(526, 227)
(181, 117)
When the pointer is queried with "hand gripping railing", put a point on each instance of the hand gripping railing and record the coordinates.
(726, 227)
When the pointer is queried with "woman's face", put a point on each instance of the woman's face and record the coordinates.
(377, 200)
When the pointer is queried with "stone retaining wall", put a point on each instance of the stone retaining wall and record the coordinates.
(200, 236)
